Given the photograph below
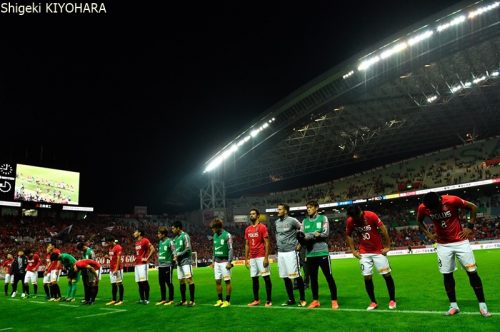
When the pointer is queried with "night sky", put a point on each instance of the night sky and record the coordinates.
(142, 96)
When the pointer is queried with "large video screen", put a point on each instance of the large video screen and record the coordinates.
(40, 184)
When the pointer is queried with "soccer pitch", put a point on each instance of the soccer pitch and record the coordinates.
(420, 297)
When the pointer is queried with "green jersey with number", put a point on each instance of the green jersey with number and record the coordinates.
(310, 225)
(222, 242)
(165, 252)
(183, 249)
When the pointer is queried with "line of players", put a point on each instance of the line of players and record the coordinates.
(24, 268)
(292, 236)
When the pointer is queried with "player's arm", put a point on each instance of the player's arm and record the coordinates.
(118, 261)
(266, 252)
(423, 228)
(386, 239)
(93, 271)
(230, 253)
(151, 251)
(187, 246)
(247, 252)
(325, 232)
(350, 243)
(469, 228)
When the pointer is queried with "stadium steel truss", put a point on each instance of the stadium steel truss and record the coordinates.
(432, 86)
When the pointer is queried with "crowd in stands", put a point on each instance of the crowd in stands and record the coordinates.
(461, 164)
(35, 232)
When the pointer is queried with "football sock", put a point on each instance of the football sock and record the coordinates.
(183, 292)
(449, 286)
(46, 289)
(146, 290)
(289, 289)
(219, 296)
(120, 288)
(300, 283)
(477, 285)
(390, 287)
(370, 289)
(269, 287)
(228, 298)
(114, 290)
(255, 287)
(141, 291)
(191, 292)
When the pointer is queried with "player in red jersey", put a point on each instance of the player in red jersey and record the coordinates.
(115, 271)
(94, 269)
(31, 272)
(7, 270)
(54, 271)
(371, 250)
(143, 251)
(257, 249)
(453, 243)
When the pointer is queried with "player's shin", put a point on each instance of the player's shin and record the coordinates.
(449, 286)
(477, 285)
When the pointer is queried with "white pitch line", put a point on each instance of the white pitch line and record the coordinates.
(417, 312)
(7, 328)
(68, 305)
(103, 313)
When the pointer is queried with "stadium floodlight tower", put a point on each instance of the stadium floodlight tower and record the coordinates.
(213, 194)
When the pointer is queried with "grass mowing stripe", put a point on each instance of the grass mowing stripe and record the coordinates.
(103, 313)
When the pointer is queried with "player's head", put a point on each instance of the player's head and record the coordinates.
(254, 215)
(177, 227)
(80, 246)
(162, 232)
(20, 252)
(355, 212)
(139, 232)
(216, 225)
(283, 209)
(432, 201)
(312, 207)
(54, 257)
(9, 256)
(51, 246)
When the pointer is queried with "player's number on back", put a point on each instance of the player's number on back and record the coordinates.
(443, 224)
(366, 236)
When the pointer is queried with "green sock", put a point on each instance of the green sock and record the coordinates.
(73, 291)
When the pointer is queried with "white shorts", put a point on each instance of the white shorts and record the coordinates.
(141, 272)
(380, 261)
(31, 276)
(461, 250)
(9, 278)
(221, 272)
(288, 264)
(184, 271)
(257, 267)
(116, 277)
(46, 278)
(54, 275)
(92, 277)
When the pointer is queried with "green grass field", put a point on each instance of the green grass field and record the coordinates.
(419, 290)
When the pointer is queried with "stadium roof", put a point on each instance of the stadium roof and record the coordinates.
(431, 86)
